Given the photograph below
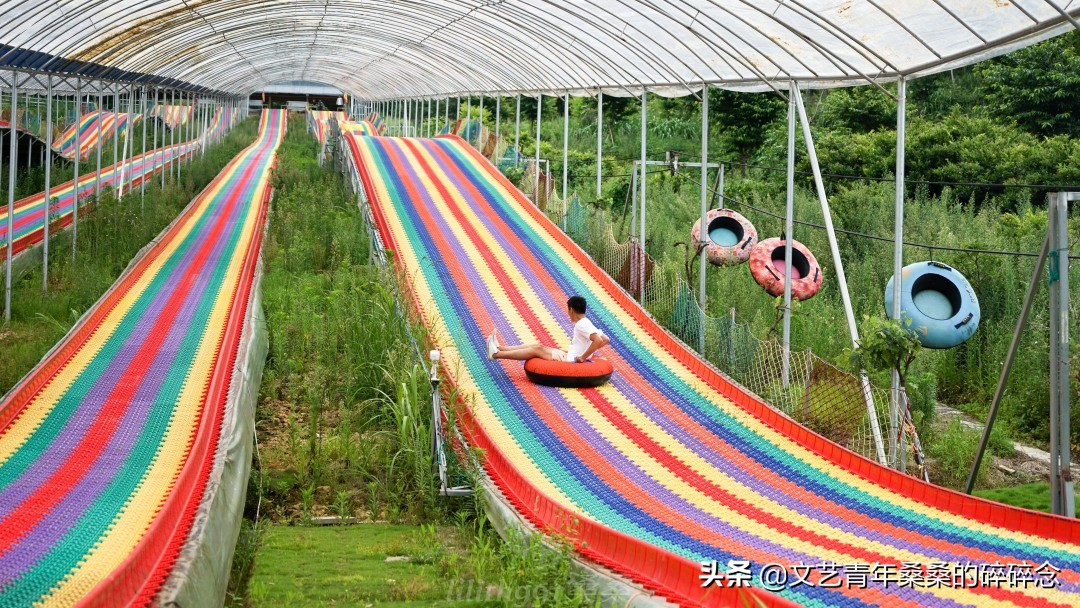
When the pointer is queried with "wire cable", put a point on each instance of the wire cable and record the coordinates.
(863, 234)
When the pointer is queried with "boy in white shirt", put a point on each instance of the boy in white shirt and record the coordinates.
(587, 339)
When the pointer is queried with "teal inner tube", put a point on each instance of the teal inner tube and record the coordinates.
(940, 303)
(725, 231)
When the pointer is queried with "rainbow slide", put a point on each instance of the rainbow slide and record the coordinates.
(671, 475)
(112, 448)
(362, 127)
(173, 116)
(219, 123)
(318, 118)
(94, 129)
(30, 211)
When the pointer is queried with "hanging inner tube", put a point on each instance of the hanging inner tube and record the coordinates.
(768, 269)
(936, 296)
(940, 303)
(800, 266)
(729, 237)
(562, 374)
(725, 231)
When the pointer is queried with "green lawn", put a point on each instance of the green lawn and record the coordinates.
(346, 566)
(1034, 496)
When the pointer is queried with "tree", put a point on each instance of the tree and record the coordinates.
(859, 109)
(1038, 86)
(743, 118)
(890, 345)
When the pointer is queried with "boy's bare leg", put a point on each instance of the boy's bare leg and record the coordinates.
(521, 346)
(526, 352)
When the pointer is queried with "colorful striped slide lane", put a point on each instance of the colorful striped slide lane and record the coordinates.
(318, 119)
(362, 127)
(219, 124)
(94, 129)
(377, 120)
(106, 446)
(670, 464)
(30, 211)
(172, 116)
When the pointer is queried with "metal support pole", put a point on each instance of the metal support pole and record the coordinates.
(789, 235)
(498, 118)
(565, 158)
(720, 186)
(1061, 482)
(131, 149)
(13, 160)
(829, 229)
(457, 115)
(170, 161)
(48, 184)
(181, 137)
(539, 106)
(116, 131)
(841, 279)
(479, 141)
(896, 439)
(704, 211)
(142, 157)
(158, 165)
(642, 182)
(78, 149)
(517, 131)
(97, 172)
(599, 141)
(127, 140)
(1010, 355)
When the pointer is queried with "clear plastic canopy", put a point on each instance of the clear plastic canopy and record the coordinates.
(420, 48)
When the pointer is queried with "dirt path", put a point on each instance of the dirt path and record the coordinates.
(1027, 465)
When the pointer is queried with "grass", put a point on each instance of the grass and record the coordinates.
(345, 566)
(344, 412)
(1034, 496)
(343, 423)
(428, 565)
(109, 237)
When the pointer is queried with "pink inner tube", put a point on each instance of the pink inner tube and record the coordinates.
(795, 274)
(740, 234)
(767, 266)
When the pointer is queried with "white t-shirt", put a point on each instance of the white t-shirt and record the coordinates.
(580, 341)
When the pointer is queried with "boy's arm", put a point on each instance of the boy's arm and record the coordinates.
(598, 341)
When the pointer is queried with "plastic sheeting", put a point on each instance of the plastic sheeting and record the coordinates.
(414, 48)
